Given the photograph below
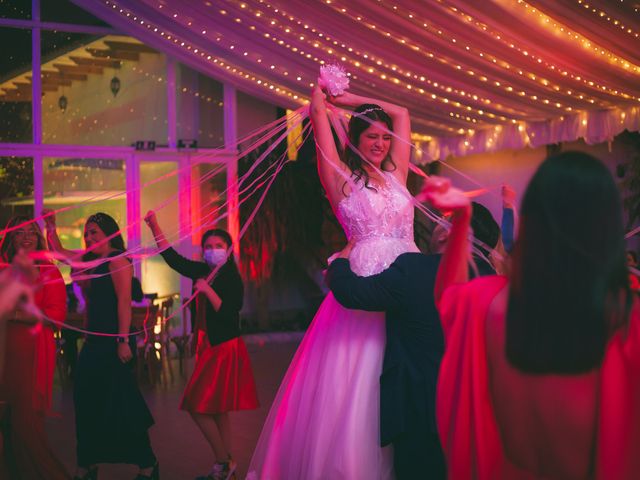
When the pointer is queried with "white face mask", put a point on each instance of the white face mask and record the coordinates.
(215, 256)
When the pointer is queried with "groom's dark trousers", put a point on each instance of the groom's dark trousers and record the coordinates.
(414, 348)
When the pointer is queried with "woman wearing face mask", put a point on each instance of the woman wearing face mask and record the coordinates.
(222, 380)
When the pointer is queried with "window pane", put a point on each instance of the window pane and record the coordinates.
(66, 12)
(20, 9)
(16, 188)
(200, 108)
(208, 199)
(102, 91)
(253, 113)
(161, 197)
(87, 186)
(15, 86)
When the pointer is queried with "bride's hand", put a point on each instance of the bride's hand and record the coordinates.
(317, 94)
(347, 99)
(439, 193)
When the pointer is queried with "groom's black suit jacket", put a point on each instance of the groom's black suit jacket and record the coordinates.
(415, 341)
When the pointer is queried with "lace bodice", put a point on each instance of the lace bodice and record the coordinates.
(381, 222)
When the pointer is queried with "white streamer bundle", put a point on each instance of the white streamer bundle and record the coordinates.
(333, 79)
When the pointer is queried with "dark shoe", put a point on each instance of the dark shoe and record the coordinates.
(92, 474)
(154, 475)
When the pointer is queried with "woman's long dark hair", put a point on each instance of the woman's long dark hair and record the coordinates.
(357, 125)
(109, 226)
(230, 265)
(569, 290)
(7, 250)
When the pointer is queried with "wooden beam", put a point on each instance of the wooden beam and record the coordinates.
(15, 98)
(23, 85)
(114, 54)
(99, 62)
(59, 80)
(131, 47)
(82, 69)
(46, 74)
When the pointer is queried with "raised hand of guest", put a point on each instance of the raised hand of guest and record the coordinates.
(49, 218)
(508, 196)
(150, 219)
(446, 198)
(152, 222)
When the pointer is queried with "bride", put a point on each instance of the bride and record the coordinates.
(325, 420)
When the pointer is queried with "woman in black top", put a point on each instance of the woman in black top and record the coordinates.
(222, 380)
(112, 418)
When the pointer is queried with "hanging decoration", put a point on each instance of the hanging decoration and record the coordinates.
(115, 85)
(62, 103)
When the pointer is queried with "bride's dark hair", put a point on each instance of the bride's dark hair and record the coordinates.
(358, 124)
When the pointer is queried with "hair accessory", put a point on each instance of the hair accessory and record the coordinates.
(372, 109)
(334, 79)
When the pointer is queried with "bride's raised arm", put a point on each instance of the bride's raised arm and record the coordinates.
(330, 168)
(401, 142)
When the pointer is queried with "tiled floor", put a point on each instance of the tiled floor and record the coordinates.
(178, 444)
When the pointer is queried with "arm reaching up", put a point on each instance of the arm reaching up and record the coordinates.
(53, 240)
(152, 222)
(329, 163)
(453, 267)
(401, 144)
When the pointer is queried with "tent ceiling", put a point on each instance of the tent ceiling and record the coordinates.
(475, 75)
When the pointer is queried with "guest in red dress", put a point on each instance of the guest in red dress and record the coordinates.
(541, 372)
(222, 380)
(30, 358)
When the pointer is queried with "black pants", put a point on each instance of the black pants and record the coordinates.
(418, 455)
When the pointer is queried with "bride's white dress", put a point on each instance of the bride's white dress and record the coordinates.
(325, 420)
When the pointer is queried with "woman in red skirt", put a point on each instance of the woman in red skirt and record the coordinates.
(222, 380)
(30, 357)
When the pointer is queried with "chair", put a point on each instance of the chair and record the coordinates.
(67, 347)
(166, 307)
(183, 342)
(144, 319)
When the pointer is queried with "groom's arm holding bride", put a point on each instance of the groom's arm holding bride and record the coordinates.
(376, 293)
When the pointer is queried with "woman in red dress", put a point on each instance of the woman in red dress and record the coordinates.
(222, 380)
(541, 372)
(30, 358)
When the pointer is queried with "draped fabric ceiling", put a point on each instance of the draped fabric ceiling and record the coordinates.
(476, 76)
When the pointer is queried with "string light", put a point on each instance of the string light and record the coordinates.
(364, 67)
(303, 39)
(503, 64)
(486, 100)
(600, 13)
(226, 67)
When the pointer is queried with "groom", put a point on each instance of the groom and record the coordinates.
(414, 348)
